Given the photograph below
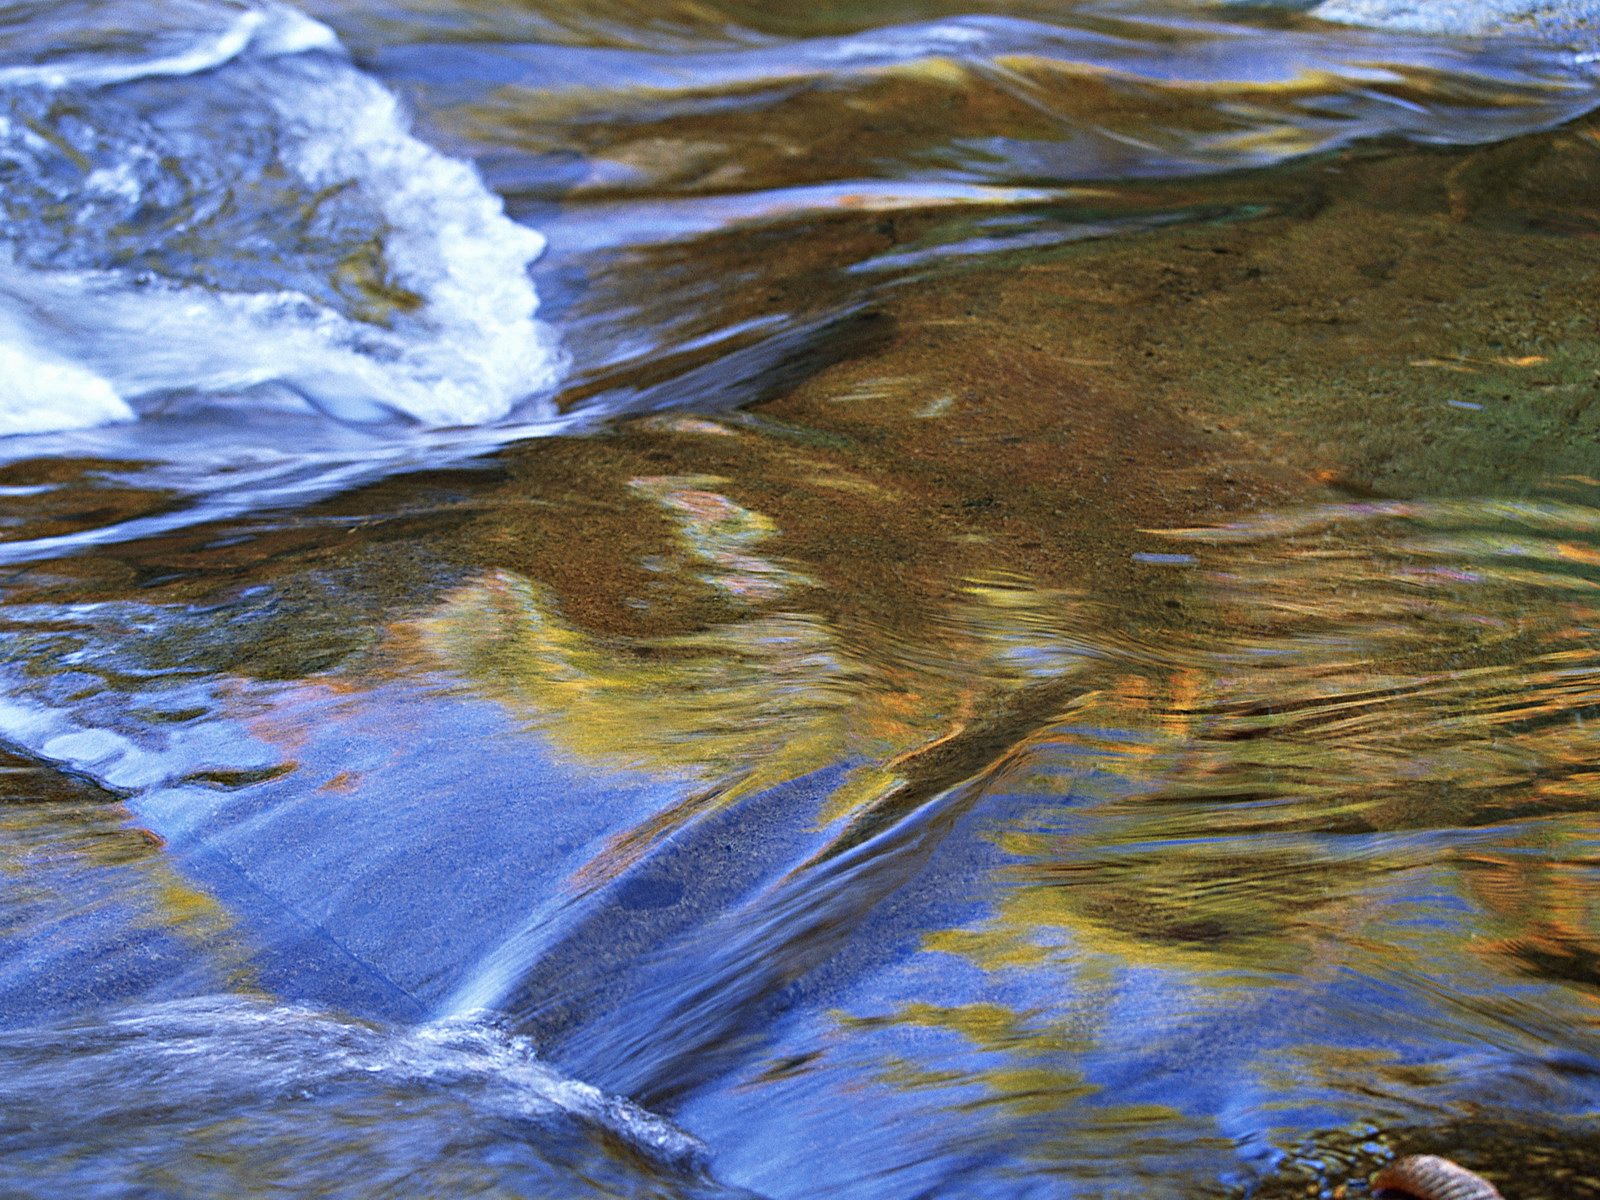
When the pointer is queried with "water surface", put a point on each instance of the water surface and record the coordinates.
(898, 600)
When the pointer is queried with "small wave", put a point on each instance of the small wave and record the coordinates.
(1142, 49)
(238, 1096)
(250, 211)
(273, 30)
(1124, 95)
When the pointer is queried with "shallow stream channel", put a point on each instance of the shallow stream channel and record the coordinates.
(871, 599)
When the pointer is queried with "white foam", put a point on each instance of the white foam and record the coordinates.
(39, 395)
(468, 353)
(449, 240)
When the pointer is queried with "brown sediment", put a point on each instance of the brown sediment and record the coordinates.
(1554, 1161)
(1420, 324)
(74, 494)
(818, 136)
(1038, 414)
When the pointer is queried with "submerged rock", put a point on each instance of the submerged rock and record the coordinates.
(1573, 22)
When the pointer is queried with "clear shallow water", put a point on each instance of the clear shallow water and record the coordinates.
(198, 249)
(873, 773)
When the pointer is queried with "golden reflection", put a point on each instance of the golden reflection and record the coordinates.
(765, 697)
(73, 858)
(778, 677)
(1371, 759)
(736, 693)
(1023, 1059)
(1541, 894)
(1240, 786)
(1345, 702)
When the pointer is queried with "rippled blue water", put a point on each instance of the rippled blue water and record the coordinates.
(349, 865)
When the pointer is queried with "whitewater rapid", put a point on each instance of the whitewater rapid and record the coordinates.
(243, 215)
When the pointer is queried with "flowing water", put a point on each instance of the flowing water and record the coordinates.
(963, 598)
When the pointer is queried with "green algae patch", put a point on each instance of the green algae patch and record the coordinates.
(1422, 324)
